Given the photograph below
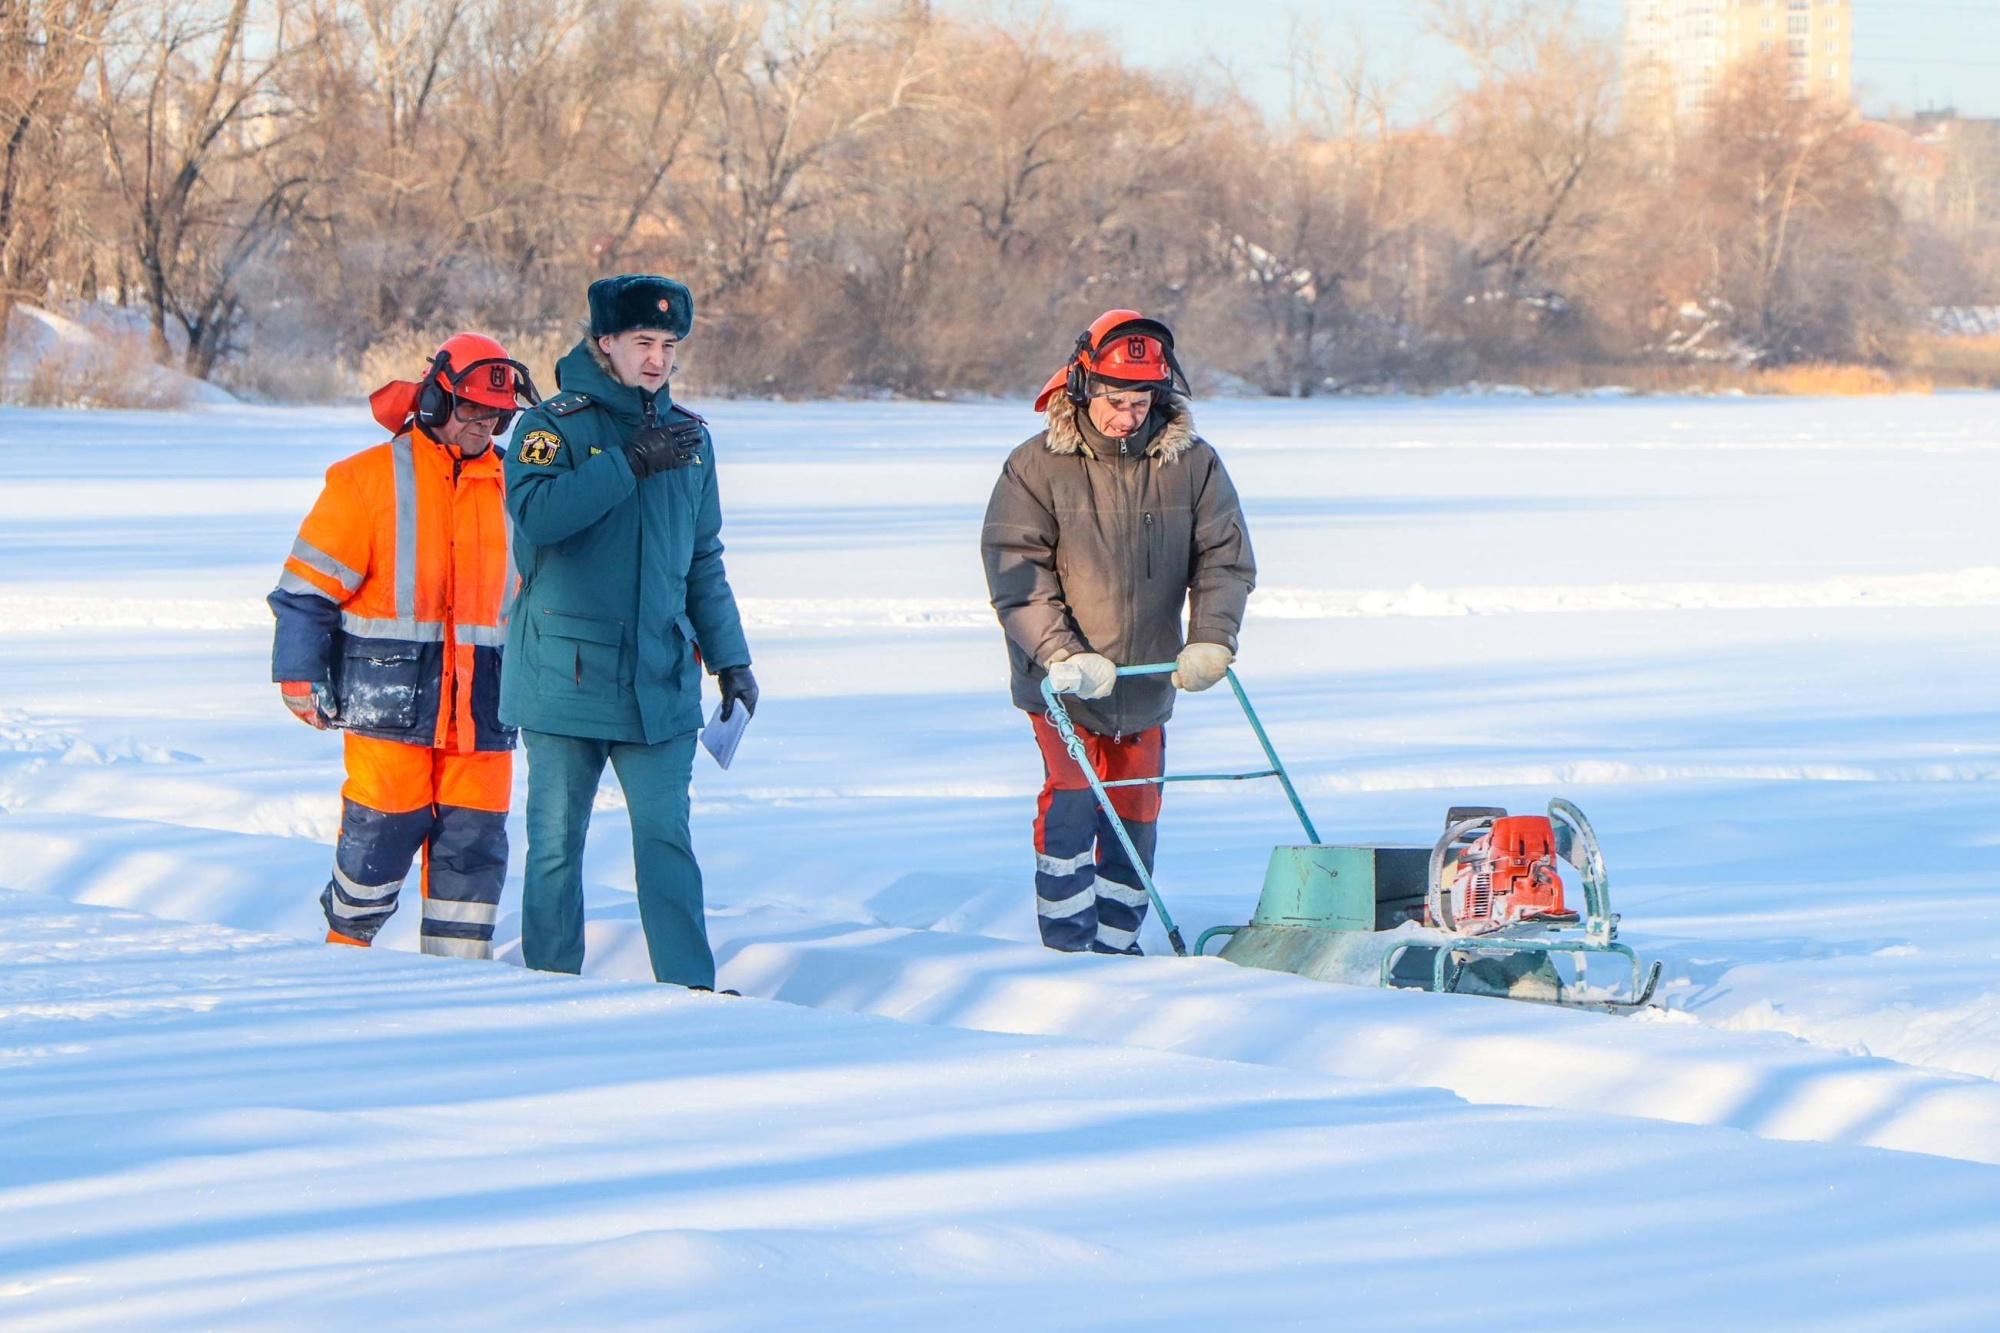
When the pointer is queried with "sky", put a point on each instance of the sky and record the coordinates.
(1911, 53)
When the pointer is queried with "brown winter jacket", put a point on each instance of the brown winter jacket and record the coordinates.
(1096, 546)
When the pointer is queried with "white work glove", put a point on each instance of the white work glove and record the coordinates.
(1200, 666)
(1086, 675)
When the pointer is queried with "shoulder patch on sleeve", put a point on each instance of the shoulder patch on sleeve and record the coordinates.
(566, 402)
(538, 448)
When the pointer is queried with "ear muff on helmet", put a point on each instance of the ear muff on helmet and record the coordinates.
(1077, 387)
(434, 398)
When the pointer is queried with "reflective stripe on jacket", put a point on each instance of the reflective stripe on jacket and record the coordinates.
(396, 595)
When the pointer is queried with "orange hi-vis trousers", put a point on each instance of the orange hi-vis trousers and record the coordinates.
(1088, 896)
(400, 799)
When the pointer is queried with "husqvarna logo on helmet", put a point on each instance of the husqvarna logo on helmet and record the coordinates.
(1135, 348)
(496, 376)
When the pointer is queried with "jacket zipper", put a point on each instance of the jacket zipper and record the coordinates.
(1131, 623)
(1130, 626)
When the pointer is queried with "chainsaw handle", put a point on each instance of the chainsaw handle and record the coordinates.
(1588, 858)
(1437, 894)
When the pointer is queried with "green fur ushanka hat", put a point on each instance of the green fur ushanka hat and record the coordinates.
(639, 301)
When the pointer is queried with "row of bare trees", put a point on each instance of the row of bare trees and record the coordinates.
(884, 196)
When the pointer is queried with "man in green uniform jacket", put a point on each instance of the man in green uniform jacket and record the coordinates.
(617, 537)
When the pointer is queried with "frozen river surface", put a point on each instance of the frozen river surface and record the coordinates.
(1756, 640)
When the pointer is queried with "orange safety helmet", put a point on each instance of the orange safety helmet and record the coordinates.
(1122, 349)
(469, 366)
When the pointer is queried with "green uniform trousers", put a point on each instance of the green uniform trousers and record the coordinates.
(563, 773)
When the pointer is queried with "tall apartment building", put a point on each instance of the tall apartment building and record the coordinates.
(1677, 52)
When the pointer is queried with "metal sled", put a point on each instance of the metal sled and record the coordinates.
(1403, 915)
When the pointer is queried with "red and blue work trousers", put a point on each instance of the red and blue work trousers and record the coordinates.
(1087, 894)
(400, 799)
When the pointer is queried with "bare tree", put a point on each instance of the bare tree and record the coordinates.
(1325, 197)
(784, 109)
(1796, 223)
(46, 49)
(871, 194)
(693, 54)
(1524, 140)
(189, 135)
(1032, 121)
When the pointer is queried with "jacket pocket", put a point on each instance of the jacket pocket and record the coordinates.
(688, 662)
(487, 666)
(378, 685)
(584, 653)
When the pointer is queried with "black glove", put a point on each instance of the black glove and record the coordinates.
(664, 448)
(737, 683)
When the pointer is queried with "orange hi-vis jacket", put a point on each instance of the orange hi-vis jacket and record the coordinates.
(396, 594)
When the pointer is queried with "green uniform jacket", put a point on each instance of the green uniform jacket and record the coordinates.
(620, 578)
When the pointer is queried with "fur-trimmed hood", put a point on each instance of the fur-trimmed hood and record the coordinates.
(1172, 437)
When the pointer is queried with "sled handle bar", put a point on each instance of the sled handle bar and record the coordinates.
(1060, 719)
(1276, 770)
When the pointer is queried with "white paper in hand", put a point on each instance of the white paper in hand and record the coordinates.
(720, 737)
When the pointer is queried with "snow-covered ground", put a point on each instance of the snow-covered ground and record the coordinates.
(83, 356)
(1755, 640)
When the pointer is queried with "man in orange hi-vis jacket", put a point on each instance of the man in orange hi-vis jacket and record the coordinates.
(392, 612)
